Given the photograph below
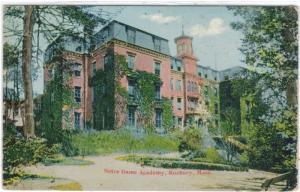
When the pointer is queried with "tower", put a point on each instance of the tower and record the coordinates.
(184, 44)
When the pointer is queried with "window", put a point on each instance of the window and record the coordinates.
(207, 104)
(247, 106)
(131, 36)
(106, 61)
(216, 108)
(77, 94)
(205, 76)
(105, 34)
(206, 90)
(226, 77)
(131, 116)
(158, 117)
(157, 44)
(179, 49)
(157, 92)
(178, 68)
(50, 73)
(131, 88)
(173, 64)
(215, 78)
(178, 85)
(216, 91)
(178, 65)
(157, 68)
(77, 69)
(189, 86)
(94, 68)
(179, 121)
(78, 49)
(77, 120)
(199, 74)
(179, 103)
(130, 60)
(171, 84)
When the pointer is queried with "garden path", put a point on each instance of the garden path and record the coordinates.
(106, 174)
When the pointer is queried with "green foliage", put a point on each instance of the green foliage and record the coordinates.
(106, 142)
(145, 97)
(167, 115)
(275, 147)
(191, 139)
(10, 55)
(111, 98)
(266, 147)
(18, 151)
(270, 47)
(61, 160)
(244, 159)
(212, 155)
(176, 163)
(105, 83)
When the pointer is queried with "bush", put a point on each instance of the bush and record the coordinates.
(190, 140)
(18, 151)
(179, 163)
(213, 156)
(244, 159)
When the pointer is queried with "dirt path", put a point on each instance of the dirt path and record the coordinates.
(107, 174)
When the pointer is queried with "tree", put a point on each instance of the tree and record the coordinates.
(10, 66)
(270, 47)
(50, 21)
(26, 68)
(230, 127)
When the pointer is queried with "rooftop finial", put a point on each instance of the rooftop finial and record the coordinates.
(182, 30)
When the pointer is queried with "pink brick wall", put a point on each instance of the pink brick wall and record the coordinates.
(145, 62)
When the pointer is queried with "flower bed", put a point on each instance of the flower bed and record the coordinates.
(179, 163)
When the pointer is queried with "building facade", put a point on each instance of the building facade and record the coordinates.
(193, 90)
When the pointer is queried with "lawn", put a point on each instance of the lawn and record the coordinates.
(107, 142)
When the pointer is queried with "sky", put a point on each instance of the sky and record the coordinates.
(215, 44)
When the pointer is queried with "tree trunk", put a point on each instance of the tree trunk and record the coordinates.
(26, 68)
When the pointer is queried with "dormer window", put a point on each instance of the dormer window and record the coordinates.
(130, 36)
(157, 44)
(78, 49)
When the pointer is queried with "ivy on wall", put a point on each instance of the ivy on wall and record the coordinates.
(112, 100)
(57, 102)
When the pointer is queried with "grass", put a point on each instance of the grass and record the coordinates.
(179, 163)
(24, 176)
(107, 142)
(61, 160)
(72, 186)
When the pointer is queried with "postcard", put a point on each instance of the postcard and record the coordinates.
(150, 97)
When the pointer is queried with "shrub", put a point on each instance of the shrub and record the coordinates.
(179, 163)
(190, 140)
(18, 151)
(213, 156)
(244, 159)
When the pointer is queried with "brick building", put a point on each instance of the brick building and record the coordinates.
(192, 89)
